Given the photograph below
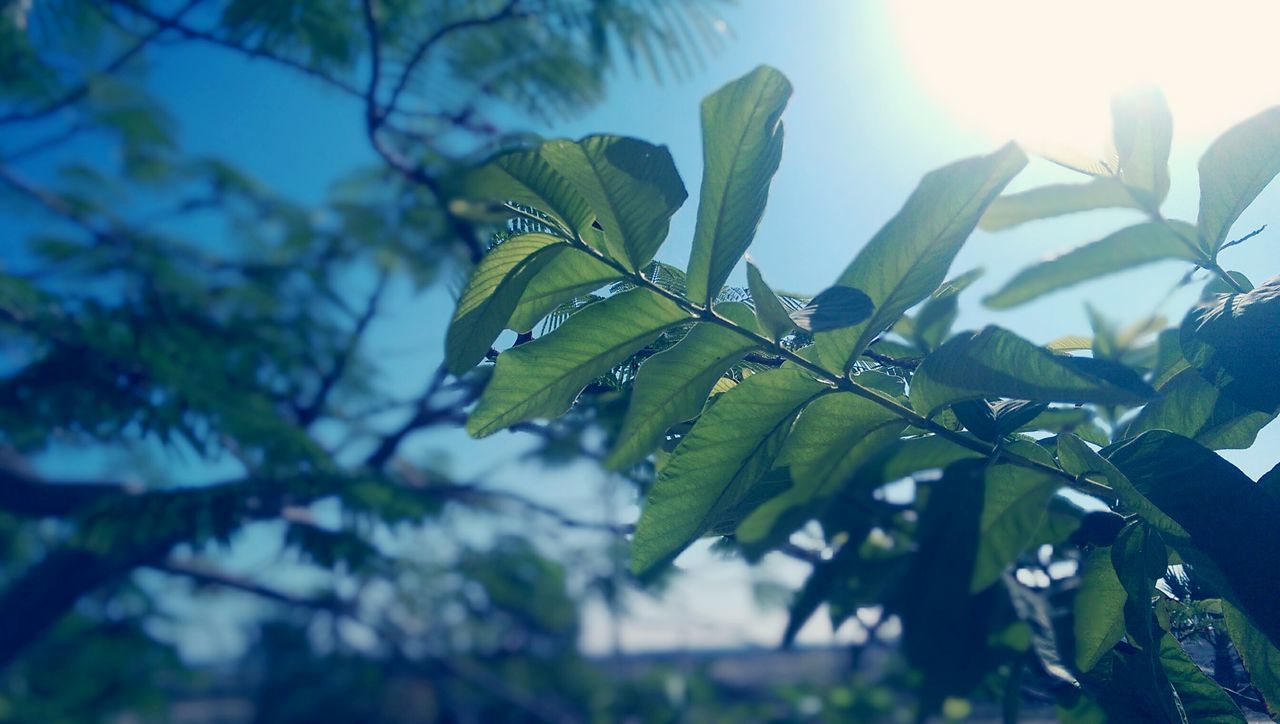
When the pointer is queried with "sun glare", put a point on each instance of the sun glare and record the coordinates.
(1044, 72)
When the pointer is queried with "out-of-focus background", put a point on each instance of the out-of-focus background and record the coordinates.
(234, 485)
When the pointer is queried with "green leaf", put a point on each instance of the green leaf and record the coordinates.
(741, 148)
(1099, 608)
(1055, 200)
(1143, 131)
(1191, 407)
(1261, 657)
(1014, 504)
(542, 378)
(491, 295)
(1140, 557)
(773, 318)
(526, 178)
(943, 631)
(732, 445)
(1234, 341)
(1125, 249)
(997, 363)
(908, 258)
(1079, 459)
(571, 274)
(933, 322)
(672, 386)
(1229, 518)
(631, 186)
(832, 438)
(834, 308)
(1202, 699)
(1233, 171)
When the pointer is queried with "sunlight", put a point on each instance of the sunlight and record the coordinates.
(1044, 73)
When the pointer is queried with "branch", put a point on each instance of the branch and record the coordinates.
(80, 91)
(206, 574)
(420, 53)
(308, 414)
(25, 494)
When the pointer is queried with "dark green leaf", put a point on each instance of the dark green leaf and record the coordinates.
(1191, 407)
(1125, 249)
(733, 444)
(1229, 518)
(908, 258)
(1233, 171)
(998, 363)
(1099, 608)
(741, 148)
(542, 378)
(1261, 657)
(834, 308)
(1015, 500)
(492, 294)
(672, 386)
(1202, 699)
(1234, 341)
(1079, 459)
(774, 320)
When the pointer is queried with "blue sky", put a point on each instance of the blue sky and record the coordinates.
(861, 129)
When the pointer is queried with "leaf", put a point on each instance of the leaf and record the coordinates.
(773, 317)
(1261, 657)
(741, 148)
(1099, 608)
(834, 308)
(1237, 166)
(526, 177)
(1234, 341)
(1125, 249)
(833, 436)
(1079, 459)
(571, 274)
(631, 186)
(1191, 407)
(933, 322)
(1202, 699)
(542, 378)
(732, 445)
(1013, 507)
(908, 258)
(942, 624)
(1055, 200)
(997, 363)
(491, 295)
(1229, 518)
(1143, 132)
(673, 385)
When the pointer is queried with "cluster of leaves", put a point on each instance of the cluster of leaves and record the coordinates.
(1007, 443)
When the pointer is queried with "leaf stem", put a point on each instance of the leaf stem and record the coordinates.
(840, 382)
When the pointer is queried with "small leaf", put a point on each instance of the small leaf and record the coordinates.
(492, 294)
(741, 148)
(1234, 340)
(1055, 200)
(1013, 507)
(1230, 520)
(832, 438)
(631, 187)
(1191, 407)
(732, 445)
(834, 308)
(1125, 249)
(773, 317)
(1099, 608)
(1143, 131)
(998, 363)
(1233, 171)
(1261, 657)
(909, 257)
(573, 273)
(673, 386)
(542, 378)
(933, 322)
